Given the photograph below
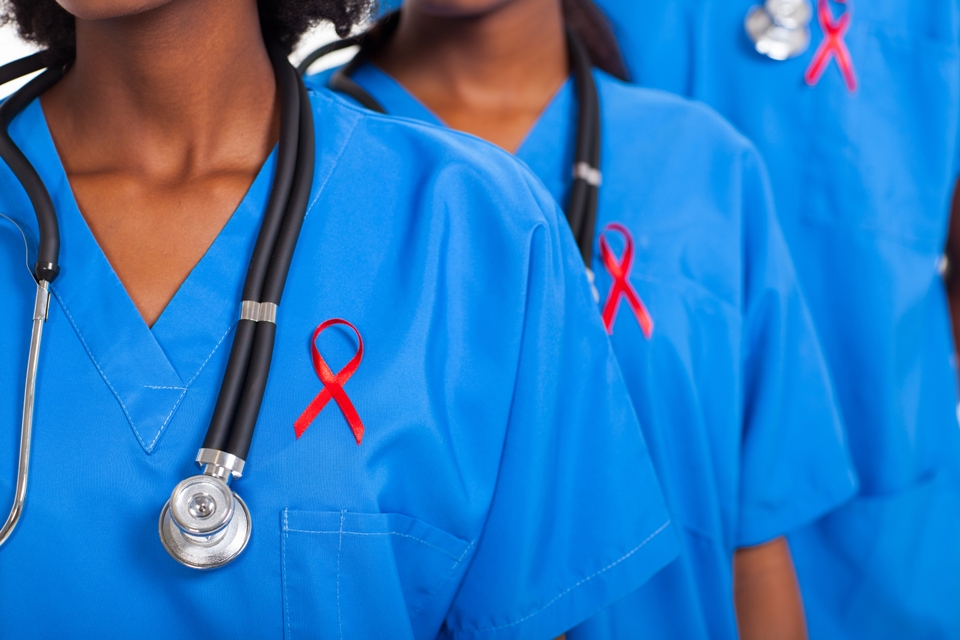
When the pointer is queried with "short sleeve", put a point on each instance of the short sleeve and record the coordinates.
(796, 465)
(577, 519)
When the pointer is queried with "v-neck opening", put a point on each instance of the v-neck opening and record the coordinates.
(251, 192)
(148, 369)
(550, 146)
(402, 102)
(556, 102)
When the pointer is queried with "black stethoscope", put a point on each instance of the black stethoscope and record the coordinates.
(204, 524)
(581, 210)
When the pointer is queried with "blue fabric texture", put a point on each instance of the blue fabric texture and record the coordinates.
(502, 489)
(731, 388)
(862, 182)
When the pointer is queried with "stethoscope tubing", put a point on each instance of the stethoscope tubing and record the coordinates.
(232, 385)
(47, 267)
(276, 277)
(228, 438)
(342, 82)
(581, 210)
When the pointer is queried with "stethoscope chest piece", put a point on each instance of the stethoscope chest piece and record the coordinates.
(205, 524)
(780, 29)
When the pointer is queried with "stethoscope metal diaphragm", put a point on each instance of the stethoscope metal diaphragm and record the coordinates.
(205, 524)
(780, 29)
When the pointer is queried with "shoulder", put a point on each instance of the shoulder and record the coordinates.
(660, 116)
(393, 149)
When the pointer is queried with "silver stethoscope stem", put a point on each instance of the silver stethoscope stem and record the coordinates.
(41, 307)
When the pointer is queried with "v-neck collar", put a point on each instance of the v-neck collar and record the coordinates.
(539, 146)
(148, 371)
(398, 101)
(549, 147)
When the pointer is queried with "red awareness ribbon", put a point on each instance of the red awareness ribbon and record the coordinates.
(333, 385)
(621, 287)
(832, 46)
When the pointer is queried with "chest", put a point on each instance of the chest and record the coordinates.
(155, 232)
(325, 510)
(678, 343)
(857, 130)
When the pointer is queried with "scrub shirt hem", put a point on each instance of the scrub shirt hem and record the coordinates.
(767, 525)
(586, 597)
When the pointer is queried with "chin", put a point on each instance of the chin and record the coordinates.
(102, 9)
(456, 8)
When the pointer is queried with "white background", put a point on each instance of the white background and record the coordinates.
(12, 47)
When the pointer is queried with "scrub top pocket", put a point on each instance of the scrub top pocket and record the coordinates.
(353, 575)
(866, 144)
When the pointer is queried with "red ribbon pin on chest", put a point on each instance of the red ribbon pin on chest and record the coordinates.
(333, 385)
(621, 288)
(832, 46)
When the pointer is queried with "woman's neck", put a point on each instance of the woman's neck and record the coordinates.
(176, 90)
(162, 124)
(491, 74)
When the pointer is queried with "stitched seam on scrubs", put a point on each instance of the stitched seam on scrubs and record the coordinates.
(582, 582)
(26, 245)
(339, 549)
(163, 427)
(333, 167)
(342, 533)
(96, 364)
(22, 220)
(147, 447)
(457, 560)
(429, 597)
(83, 342)
(20, 213)
(283, 569)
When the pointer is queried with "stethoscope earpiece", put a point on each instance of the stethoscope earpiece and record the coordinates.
(780, 29)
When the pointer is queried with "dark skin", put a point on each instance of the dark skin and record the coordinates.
(490, 67)
(160, 149)
(162, 124)
(952, 279)
(767, 594)
(487, 67)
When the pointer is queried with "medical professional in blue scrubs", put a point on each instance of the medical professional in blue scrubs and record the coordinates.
(446, 448)
(860, 131)
(694, 283)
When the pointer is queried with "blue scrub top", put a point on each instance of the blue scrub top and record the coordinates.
(862, 182)
(730, 387)
(502, 488)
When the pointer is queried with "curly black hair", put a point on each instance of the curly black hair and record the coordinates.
(47, 24)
